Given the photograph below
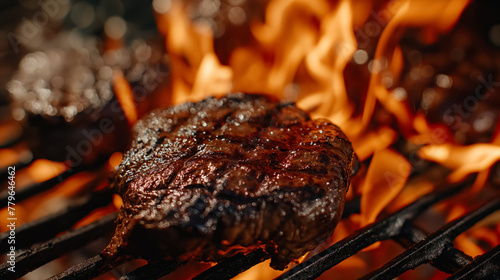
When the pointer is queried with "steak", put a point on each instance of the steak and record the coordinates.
(66, 104)
(206, 180)
(63, 95)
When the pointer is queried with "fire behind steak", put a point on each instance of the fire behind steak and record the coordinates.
(206, 180)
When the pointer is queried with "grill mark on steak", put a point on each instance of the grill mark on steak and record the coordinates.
(206, 180)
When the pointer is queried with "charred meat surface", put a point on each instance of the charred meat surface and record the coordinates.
(206, 180)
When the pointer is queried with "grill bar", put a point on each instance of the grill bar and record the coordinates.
(37, 188)
(433, 246)
(56, 247)
(88, 269)
(153, 270)
(450, 261)
(233, 266)
(389, 227)
(50, 225)
(486, 266)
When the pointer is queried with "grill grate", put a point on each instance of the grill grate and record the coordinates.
(433, 246)
(486, 266)
(436, 249)
(89, 269)
(153, 270)
(37, 188)
(449, 261)
(390, 227)
(233, 266)
(48, 226)
(56, 247)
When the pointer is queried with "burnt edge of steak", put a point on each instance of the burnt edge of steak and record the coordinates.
(206, 180)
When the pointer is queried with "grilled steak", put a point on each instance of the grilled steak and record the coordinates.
(65, 101)
(64, 96)
(206, 180)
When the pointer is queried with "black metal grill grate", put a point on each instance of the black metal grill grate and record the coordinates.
(436, 248)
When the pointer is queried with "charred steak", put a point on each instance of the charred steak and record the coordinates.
(209, 179)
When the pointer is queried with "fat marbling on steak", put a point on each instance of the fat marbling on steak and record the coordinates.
(206, 180)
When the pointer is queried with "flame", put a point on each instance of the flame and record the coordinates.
(13, 155)
(260, 271)
(125, 96)
(300, 51)
(95, 215)
(373, 141)
(42, 170)
(463, 160)
(468, 246)
(9, 131)
(292, 57)
(385, 178)
(196, 70)
(115, 159)
(413, 190)
(440, 18)
(117, 201)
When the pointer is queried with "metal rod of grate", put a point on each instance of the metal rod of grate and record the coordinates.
(153, 270)
(451, 259)
(56, 247)
(37, 188)
(433, 246)
(486, 267)
(50, 225)
(233, 266)
(88, 269)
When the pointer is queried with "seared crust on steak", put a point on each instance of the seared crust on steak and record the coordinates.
(206, 180)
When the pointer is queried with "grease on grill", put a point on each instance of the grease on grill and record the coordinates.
(206, 180)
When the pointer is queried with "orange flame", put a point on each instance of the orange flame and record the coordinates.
(42, 170)
(385, 179)
(300, 52)
(125, 96)
(441, 17)
(196, 70)
(463, 160)
(115, 159)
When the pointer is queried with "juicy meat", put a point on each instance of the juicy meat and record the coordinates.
(206, 180)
